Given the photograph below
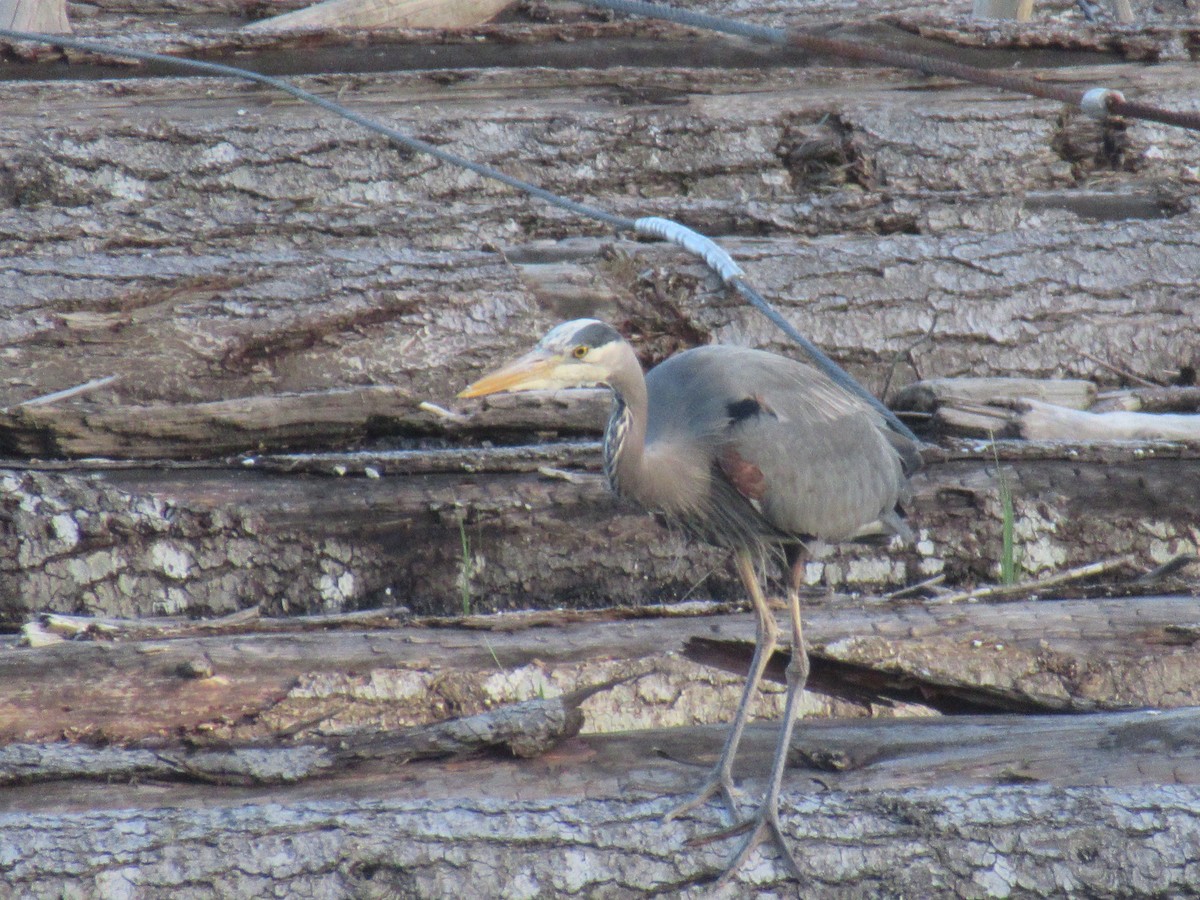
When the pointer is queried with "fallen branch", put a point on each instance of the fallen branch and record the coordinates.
(1023, 589)
(1034, 420)
(1124, 373)
(48, 628)
(1045, 422)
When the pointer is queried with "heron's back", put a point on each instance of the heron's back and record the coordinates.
(768, 446)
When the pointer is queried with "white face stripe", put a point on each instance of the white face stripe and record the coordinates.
(605, 357)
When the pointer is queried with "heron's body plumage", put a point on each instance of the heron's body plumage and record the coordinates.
(745, 448)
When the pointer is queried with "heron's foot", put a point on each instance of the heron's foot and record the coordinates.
(720, 782)
(763, 827)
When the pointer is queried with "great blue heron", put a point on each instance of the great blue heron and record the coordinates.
(747, 450)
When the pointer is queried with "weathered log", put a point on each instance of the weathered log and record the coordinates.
(1060, 656)
(1060, 806)
(309, 421)
(1045, 422)
(1036, 420)
(487, 314)
(961, 407)
(1020, 10)
(414, 310)
(526, 729)
(207, 540)
(861, 754)
(1162, 399)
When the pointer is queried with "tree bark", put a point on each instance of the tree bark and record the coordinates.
(209, 269)
(1079, 813)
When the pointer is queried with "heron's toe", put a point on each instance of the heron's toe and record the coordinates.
(720, 783)
(763, 827)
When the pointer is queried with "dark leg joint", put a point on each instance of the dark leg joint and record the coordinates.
(797, 667)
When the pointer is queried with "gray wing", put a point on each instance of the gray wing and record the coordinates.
(810, 458)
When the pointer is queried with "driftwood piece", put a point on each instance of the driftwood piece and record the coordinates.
(1061, 656)
(1106, 800)
(46, 16)
(352, 14)
(927, 396)
(1038, 421)
(1157, 399)
(220, 428)
(1020, 10)
(1044, 422)
(281, 422)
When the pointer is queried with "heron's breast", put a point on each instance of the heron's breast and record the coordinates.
(676, 481)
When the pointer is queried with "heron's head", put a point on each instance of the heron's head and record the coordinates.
(581, 353)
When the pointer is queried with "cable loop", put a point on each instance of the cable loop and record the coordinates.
(708, 250)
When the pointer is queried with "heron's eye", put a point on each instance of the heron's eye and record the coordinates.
(580, 352)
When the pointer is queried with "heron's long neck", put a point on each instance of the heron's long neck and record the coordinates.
(625, 437)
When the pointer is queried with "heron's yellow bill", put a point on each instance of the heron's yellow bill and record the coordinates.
(525, 374)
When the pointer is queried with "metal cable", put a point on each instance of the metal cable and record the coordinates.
(823, 362)
(858, 51)
(695, 243)
(714, 256)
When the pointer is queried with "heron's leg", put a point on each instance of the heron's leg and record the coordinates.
(765, 638)
(765, 824)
